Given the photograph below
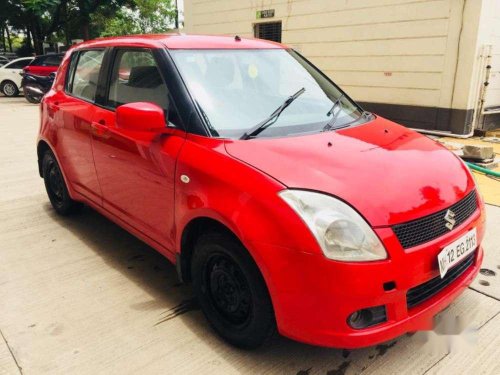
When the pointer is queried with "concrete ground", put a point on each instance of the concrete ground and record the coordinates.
(489, 186)
(80, 295)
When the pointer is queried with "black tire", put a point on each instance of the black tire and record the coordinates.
(231, 291)
(9, 89)
(56, 187)
(33, 99)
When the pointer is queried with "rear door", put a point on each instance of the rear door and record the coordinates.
(136, 170)
(73, 111)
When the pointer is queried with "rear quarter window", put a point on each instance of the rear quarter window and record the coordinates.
(83, 74)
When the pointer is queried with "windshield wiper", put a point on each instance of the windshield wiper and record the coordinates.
(331, 124)
(263, 125)
(365, 114)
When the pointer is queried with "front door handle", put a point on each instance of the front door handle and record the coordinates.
(100, 130)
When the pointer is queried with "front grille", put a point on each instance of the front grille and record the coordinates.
(424, 291)
(418, 231)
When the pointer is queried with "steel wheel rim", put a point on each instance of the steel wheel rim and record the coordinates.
(228, 289)
(9, 89)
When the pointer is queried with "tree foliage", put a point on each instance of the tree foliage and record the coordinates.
(146, 16)
(64, 20)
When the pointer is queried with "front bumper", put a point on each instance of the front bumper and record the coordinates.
(313, 296)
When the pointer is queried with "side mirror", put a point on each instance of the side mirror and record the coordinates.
(140, 116)
(52, 75)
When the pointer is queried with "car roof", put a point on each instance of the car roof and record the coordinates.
(182, 41)
(48, 54)
(18, 59)
(23, 58)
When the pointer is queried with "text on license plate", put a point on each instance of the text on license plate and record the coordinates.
(456, 251)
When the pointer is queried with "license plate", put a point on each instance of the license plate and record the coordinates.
(456, 251)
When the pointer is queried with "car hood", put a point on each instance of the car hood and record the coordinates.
(389, 173)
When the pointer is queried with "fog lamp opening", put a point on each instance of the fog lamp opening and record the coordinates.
(367, 317)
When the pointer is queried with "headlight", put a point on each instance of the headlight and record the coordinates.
(340, 231)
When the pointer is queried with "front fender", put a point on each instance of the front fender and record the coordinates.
(210, 183)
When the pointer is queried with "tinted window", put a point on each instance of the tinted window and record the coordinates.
(53, 60)
(136, 78)
(84, 75)
(18, 64)
(47, 60)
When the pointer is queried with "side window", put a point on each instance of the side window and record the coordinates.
(37, 61)
(84, 74)
(52, 60)
(136, 78)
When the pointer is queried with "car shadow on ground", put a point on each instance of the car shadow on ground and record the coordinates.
(152, 272)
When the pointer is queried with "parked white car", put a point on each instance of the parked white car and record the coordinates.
(10, 79)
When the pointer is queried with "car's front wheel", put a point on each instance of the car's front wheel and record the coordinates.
(56, 187)
(9, 89)
(231, 291)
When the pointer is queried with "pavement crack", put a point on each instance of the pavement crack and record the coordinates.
(490, 319)
(435, 364)
(483, 293)
(12, 353)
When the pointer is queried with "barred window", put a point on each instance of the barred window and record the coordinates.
(269, 31)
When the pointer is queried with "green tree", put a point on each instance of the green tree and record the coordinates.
(141, 17)
(64, 20)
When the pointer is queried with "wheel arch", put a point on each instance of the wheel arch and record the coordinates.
(41, 148)
(6, 80)
(191, 232)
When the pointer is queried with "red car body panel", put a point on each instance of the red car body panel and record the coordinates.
(357, 165)
(179, 41)
(385, 171)
(40, 70)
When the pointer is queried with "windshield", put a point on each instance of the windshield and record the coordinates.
(237, 89)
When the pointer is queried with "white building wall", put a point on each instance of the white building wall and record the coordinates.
(394, 52)
(489, 34)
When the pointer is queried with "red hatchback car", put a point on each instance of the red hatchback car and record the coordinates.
(44, 65)
(285, 204)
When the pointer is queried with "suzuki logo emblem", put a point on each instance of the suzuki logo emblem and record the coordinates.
(450, 219)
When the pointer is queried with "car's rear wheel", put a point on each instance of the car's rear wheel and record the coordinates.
(9, 88)
(231, 291)
(56, 187)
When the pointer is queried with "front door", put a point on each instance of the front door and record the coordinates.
(136, 170)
